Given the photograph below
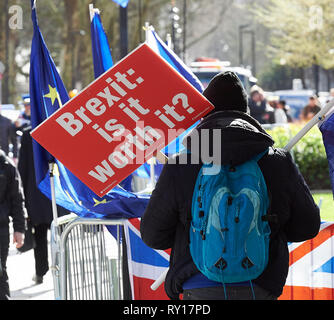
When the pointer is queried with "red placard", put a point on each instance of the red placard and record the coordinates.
(115, 124)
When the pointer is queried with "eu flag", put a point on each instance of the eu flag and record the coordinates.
(102, 58)
(48, 93)
(155, 42)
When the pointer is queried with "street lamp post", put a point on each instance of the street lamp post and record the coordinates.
(241, 28)
(75, 59)
(123, 24)
(2, 70)
(176, 29)
(184, 28)
(252, 33)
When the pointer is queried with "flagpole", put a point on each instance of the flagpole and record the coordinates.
(150, 161)
(53, 193)
(169, 40)
(157, 283)
(146, 28)
(317, 118)
(91, 11)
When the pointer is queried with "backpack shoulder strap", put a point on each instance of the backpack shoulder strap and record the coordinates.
(269, 216)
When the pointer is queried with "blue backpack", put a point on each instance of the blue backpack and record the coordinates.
(229, 232)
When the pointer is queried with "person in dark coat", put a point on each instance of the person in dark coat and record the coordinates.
(39, 207)
(166, 220)
(311, 109)
(8, 136)
(11, 205)
(259, 107)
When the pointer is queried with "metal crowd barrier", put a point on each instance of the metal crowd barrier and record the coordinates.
(86, 259)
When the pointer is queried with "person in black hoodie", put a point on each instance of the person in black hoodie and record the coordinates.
(166, 220)
(11, 206)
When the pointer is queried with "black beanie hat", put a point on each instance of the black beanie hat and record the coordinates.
(226, 92)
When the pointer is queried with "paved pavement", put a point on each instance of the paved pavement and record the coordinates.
(21, 269)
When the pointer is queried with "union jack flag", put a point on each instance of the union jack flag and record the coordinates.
(310, 277)
(311, 270)
(145, 264)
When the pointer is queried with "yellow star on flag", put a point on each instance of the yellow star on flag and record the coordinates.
(97, 202)
(53, 94)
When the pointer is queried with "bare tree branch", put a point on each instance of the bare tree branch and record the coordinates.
(222, 12)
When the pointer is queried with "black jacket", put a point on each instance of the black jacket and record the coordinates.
(165, 223)
(263, 113)
(11, 196)
(39, 207)
(8, 135)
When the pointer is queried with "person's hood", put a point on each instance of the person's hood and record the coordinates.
(239, 137)
(226, 92)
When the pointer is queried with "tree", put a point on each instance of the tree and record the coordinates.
(198, 10)
(278, 77)
(9, 42)
(301, 31)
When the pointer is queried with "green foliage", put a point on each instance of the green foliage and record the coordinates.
(325, 201)
(278, 77)
(309, 154)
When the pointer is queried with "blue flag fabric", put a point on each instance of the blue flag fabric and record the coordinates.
(47, 94)
(102, 58)
(327, 130)
(155, 42)
(122, 3)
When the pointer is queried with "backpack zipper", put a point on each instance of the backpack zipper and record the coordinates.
(225, 227)
(236, 221)
(201, 208)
